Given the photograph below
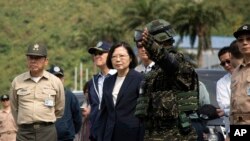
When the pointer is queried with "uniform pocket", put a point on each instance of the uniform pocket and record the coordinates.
(23, 91)
(49, 91)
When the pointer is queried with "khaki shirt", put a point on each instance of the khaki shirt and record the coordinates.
(240, 95)
(28, 98)
(7, 122)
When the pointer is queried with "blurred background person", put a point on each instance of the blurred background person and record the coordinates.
(230, 58)
(223, 90)
(70, 123)
(8, 127)
(236, 55)
(120, 93)
(84, 133)
(146, 64)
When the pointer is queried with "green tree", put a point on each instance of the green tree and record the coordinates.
(196, 19)
(141, 12)
(111, 31)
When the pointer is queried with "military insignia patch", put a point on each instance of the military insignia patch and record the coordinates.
(36, 47)
(245, 27)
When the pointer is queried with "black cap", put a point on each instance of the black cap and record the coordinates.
(37, 49)
(56, 70)
(208, 111)
(244, 29)
(101, 46)
(4, 97)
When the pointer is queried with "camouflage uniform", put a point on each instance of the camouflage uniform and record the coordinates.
(169, 95)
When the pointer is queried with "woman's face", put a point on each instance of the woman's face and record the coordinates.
(120, 59)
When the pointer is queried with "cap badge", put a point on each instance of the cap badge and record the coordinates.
(56, 69)
(245, 27)
(36, 47)
(99, 44)
(4, 96)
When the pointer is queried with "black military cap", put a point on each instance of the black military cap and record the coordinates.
(244, 29)
(56, 70)
(37, 49)
(4, 97)
(208, 112)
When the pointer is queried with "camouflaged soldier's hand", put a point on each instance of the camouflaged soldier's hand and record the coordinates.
(184, 122)
(142, 106)
(149, 43)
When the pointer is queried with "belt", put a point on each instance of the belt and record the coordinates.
(7, 132)
(238, 118)
(36, 125)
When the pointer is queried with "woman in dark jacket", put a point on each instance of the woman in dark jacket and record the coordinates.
(120, 93)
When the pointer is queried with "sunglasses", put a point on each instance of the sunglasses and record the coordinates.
(4, 100)
(98, 53)
(225, 62)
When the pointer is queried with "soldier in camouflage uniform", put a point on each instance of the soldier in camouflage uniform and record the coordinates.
(169, 93)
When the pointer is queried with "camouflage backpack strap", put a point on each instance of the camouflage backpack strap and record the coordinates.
(142, 102)
(144, 97)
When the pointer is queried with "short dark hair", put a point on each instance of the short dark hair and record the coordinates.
(130, 51)
(223, 50)
(234, 50)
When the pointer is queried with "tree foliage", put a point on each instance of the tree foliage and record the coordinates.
(197, 20)
(70, 27)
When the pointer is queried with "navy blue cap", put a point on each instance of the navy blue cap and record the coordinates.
(4, 97)
(101, 46)
(56, 70)
(244, 29)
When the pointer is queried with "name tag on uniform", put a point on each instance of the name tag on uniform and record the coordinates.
(49, 102)
(248, 91)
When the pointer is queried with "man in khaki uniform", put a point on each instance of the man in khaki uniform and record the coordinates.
(37, 98)
(8, 126)
(240, 87)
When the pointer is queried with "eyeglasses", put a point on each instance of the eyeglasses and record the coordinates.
(225, 62)
(122, 57)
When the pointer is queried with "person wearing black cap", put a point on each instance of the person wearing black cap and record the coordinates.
(146, 63)
(240, 91)
(70, 123)
(99, 54)
(8, 127)
(37, 98)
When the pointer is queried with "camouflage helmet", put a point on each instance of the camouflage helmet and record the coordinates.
(161, 30)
